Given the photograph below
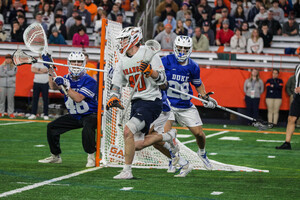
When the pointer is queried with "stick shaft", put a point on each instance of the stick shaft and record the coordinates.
(64, 65)
(218, 106)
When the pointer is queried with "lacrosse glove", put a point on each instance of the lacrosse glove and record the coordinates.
(47, 58)
(114, 102)
(211, 103)
(146, 69)
(60, 81)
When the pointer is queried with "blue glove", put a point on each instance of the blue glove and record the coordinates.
(47, 58)
(60, 81)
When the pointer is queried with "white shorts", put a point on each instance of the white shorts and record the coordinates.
(160, 122)
(186, 117)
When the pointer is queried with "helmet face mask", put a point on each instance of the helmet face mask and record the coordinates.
(128, 38)
(76, 59)
(182, 48)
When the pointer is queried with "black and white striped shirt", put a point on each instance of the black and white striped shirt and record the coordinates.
(297, 76)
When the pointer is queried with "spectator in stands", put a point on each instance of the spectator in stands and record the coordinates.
(71, 21)
(121, 21)
(224, 35)
(63, 17)
(89, 64)
(208, 33)
(159, 28)
(200, 42)
(253, 88)
(188, 15)
(217, 25)
(231, 20)
(207, 8)
(296, 8)
(91, 7)
(204, 17)
(166, 38)
(254, 10)
(38, 7)
(234, 7)
(75, 28)
(274, 96)
(255, 44)
(81, 38)
(239, 16)
(3, 35)
(98, 23)
(16, 32)
(66, 6)
(167, 11)
(198, 13)
(273, 25)
(97, 37)
(113, 14)
(1, 18)
(180, 30)
(99, 13)
(261, 16)
(39, 19)
(291, 27)
(238, 42)
(106, 5)
(247, 5)
(8, 73)
(266, 36)
(40, 86)
(161, 7)
(17, 10)
(59, 25)
(170, 20)
(267, 4)
(284, 4)
(56, 37)
(188, 25)
(47, 14)
(278, 13)
(3, 11)
(218, 8)
(245, 30)
(22, 22)
(180, 14)
(85, 14)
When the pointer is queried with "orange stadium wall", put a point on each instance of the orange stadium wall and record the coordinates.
(228, 84)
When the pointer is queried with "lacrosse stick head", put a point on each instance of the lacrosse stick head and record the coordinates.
(19, 57)
(262, 125)
(152, 47)
(182, 47)
(35, 38)
(129, 37)
(76, 58)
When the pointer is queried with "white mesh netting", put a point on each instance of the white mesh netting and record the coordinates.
(112, 144)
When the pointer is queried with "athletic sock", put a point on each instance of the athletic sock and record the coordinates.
(201, 152)
(167, 146)
(166, 137)
(127, 167)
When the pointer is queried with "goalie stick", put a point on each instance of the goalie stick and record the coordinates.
(152, 48)
(261, 125)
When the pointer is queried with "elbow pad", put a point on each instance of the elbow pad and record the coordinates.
(115, 91)
(161, 79)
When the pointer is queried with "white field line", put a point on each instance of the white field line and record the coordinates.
(208, 136)
(30, 187)
(13, 123)
(258, 140)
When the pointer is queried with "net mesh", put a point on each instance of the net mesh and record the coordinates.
(112, 143)
(21, 58)
(35, 38)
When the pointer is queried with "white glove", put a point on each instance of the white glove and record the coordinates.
(211, 103)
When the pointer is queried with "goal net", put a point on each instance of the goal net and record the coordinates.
(112, 143)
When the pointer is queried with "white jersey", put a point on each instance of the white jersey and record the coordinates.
(127, 70)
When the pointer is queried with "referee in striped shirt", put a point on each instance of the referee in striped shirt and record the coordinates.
(294, 110)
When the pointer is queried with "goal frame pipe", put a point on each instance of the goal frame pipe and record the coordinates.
(100, 92)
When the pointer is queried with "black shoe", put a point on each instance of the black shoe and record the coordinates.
(285, 145)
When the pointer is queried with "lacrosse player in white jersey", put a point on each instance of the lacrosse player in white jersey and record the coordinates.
(181, 70)
(146, 103)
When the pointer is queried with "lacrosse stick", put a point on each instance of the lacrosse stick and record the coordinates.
(36, 41)
(152, 48)
(20, 58)
(261, 125)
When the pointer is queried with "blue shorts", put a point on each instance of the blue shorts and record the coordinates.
(147, 111)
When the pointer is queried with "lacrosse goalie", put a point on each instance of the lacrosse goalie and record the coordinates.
(146, 103)
(180, 72)
(81, 102)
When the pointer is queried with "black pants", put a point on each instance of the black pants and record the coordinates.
(66, 123)
(37, 89)
(252, 105)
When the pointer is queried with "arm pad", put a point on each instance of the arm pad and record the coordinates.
(161, 79)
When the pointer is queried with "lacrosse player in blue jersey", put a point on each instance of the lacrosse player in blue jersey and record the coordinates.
(81, 102)
(181, 70)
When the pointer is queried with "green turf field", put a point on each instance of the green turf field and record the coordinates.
(19, 168)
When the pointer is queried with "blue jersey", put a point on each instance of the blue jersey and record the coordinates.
(165, 101)
(180, 77)
(87, 86)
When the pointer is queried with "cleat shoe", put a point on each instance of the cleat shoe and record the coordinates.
(184, 170)
(90, 160)
(1, 115)
(124, 175)
(52, 159)
(174, 158)
(12, 116)
(174, 145)
(171, 169)
(46, 117)
(285, 146)
(206, 161)
(32, 116)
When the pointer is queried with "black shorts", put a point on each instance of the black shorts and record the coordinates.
(147, 111)
(295, 106)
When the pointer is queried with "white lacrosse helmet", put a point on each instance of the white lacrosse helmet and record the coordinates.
(128, 38)
(182, 47)
(78, 59)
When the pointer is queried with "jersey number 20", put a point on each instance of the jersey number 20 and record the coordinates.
(76, 108)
